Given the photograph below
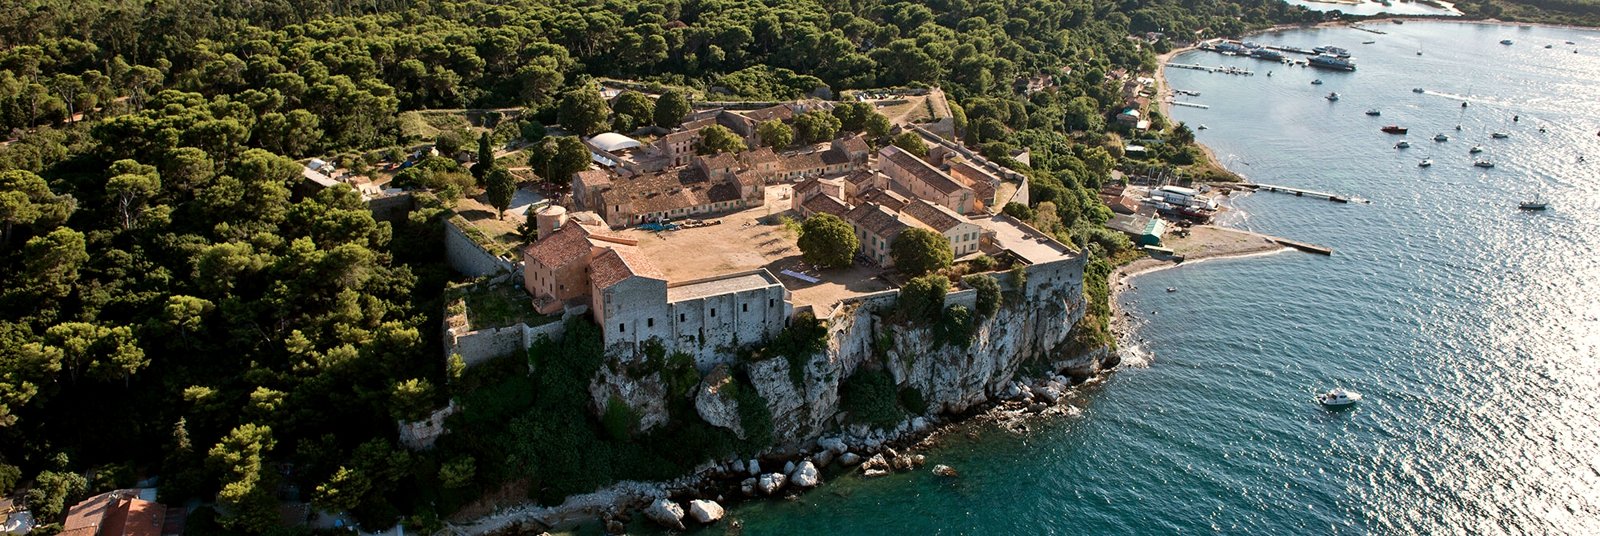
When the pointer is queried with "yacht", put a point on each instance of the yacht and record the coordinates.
(1331, 50)
(1499, 135)
(1374, 113)
(1333, 96)
(1483, 163)
(1339, 398)
(1417, 90)
(1441, 137)
(1330, 61)
(1475, 149)
(1426, 162)
(1403, 145)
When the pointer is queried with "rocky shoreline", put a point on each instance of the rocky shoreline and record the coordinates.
(704, 497)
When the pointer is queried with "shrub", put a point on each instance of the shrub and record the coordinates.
(918, 251)
(754, 416)
(988, 293)
(619, 420)
(870, 397)
(983, 263)
(923, 297)
(911, 398)
(956, 326)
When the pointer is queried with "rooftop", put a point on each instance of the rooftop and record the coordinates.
(1023, 240)
(921, 169)
(613, 142)
(619, 263)
(938, 217)
(719, 285)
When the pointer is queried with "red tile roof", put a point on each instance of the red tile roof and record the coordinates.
(618, 264)
(921, 170)
(119, 513)
(569, 244)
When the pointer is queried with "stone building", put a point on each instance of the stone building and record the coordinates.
(925, 181)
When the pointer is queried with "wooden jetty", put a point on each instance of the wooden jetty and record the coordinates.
(1297, 192)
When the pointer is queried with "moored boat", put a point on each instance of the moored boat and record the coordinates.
(1499, 135)
(1483, 163)
(1441, 137)
(1475, 149)
(1394, 129)
(1535, 204)
(1332, 96)
(1316, 82)
(1374, 113)
(1403, 145)
(1426, 162)
(1330, 61)
(1339, 398)
(1505, 41)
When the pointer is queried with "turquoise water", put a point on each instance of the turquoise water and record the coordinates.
(1471, 328)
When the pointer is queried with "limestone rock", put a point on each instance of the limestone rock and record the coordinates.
(748, 486)
(754, 467)
(849, 458)
(874, 473)
(788, 467)
(770, 483)
(646, 396)
(832, 444)
(822, 459)
(919, 425)
(806, 475)
(736, 467)
(944, 470)
(917, 460)
(705, 511)
(665, 513)
(876, 462)
(715, 404)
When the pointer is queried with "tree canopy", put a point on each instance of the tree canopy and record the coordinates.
(918, 251)
(828, 241)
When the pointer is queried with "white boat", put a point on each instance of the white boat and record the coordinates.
(1403, 145)
(1203, 126)
(1475, 149)
(1316, 82)
(1425, 162)
(1339, 398)
(1483, 163)
(1374, 113)
(1499, 135)
(1534, 204)
(1441, 137)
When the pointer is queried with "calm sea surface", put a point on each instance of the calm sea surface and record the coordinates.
(1472, 328)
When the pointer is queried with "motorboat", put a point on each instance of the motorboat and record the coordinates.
(1475, 149)
(1334, 96)
(1393, 129)
(1368, 42)
(1403, 145)
(1483, 163)
(1374, 113)
(1426, 162)
(1316, 82)
(1534, 204)
(1339, 398)
(1417, 90)
(1441, 137)
(1549, 46)
(1203, 127)
(1505, 41)
(1499, 135)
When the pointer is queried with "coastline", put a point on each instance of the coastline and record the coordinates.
(1204, 243)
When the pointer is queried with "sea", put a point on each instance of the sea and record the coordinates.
(1471, 327)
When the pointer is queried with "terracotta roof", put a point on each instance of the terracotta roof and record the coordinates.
(118, 512)
(762, 155)
(593, 178)
(803, 162)
(878, 220)
(568, 244)
(888, 198)
(620, 263)
(781, 112)
(834, 156)
(682, 136)
(719, 161)
(921, 169)
(853, 144)
(700, 123)
(825, 204)
(864, 177)
(939, 218)
(749, 178)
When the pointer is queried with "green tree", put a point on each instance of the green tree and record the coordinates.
(458, 473)
(52, 491)
(816, 126)
(878, 125)
(449, 143)
(501, 189)
(918, 251)
(828, 241)
(718, 139)
(480, 169)
(912, 143)
(988, 288)
(1018, 211)
(131, 185)
(923, 297)
(26, 201)
(775, 134)
(247, 490)
(583, 111)
(342, 492)
(637, 107)
(670, 109)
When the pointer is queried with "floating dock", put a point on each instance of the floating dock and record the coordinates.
(1298, 192)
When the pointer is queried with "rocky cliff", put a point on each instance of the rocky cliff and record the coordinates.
(1033, 327)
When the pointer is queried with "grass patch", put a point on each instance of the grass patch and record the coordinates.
(502, 305)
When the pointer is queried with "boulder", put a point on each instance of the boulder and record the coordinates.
(748, 486)
(874, 473)
(876, 463)
(822, 459)
(917, 460)
(1050, 393)
(944, 470)
(771, 483)
(900, 463)
(806, 475)
(715, 404)
(665, 513)
(754, 467)
(788, 468)
(705, 511)
(736, 467)
(849, 458)
(919, 425)
(832, 444)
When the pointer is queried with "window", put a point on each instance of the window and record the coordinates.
(622, 328)
(713, 312)
(771, 302)
(649, 322)
(681, 318)
(744, 307)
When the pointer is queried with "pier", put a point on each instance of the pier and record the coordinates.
(1190, 104)
(1291, 50)
(1298, 192)
(1302, 246)
(1227, 70)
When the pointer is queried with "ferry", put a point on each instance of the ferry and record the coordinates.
(1332, 51)
(1499, 135)
(1441, 137)
(1394, 129)
(1330, 61)
(1505, 41)
(1334, 96)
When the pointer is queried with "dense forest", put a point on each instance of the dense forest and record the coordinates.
(172, 308)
